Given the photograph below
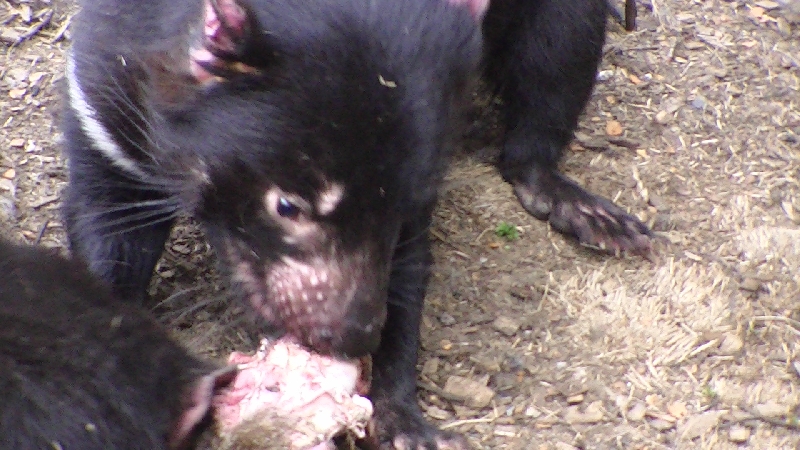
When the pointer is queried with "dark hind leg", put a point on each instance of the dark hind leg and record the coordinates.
(543, 55)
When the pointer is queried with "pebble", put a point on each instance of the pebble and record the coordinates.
(6, 185)
(532, 411)
(637, 412)
(8, 209)
(739, 434)
(447, 319)
(575, 399)
(661, 424)
(469, 391)
(437, 413)
(699, 425)
(431, 366)
(592, 414)
(771, 409)
(565, 446)
(506, 325)
(731, 344)
(16, 94)
(605, 75)
(699, 103)
(657, 202)
(486, 363)
(750, 285)
(663, 117)
(784, 27)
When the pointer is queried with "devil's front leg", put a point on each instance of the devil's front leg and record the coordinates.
(399, 423)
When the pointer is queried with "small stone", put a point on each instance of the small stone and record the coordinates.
(487, 363)
(677, 410)
(771, 409)
(592, 414)
(437, 413)
(575, 399)
(167, 274)
(739, 434)
(8, 210)
(719, 72)
(637, 412)
(699, 103)
(657, 202)
(731, 344)
(16, 94)
(430, 366)
(661, 424)
(9, 174)
(750, 285)
(699, 425)
(605, 75)
(565, 446)
(505, 325)
(17, 143)
(16, 75)
(784, 27)
(469, 391)
(532, 411)
(35, 77)
(183, 249)
(662, 117)
(446, 319)
(767, 4)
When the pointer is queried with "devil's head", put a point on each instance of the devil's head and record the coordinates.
(313, 133)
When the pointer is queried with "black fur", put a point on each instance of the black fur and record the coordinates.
(543, 57)
(79, 369)
(362, 95)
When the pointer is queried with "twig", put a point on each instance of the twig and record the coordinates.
(61, 30)
(793, 325)
(44, 21)
(41, 232)
(458, 423)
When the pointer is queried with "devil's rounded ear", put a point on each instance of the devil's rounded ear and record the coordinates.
(232, 42)
(196, 403)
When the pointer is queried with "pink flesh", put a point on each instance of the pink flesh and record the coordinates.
(298, 385)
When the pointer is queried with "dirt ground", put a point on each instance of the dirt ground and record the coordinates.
(694, 127)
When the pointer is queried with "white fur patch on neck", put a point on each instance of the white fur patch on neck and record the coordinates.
(95, 131)
(329, 199)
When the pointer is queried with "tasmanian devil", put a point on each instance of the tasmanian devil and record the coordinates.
(309, 139)
(82, 370)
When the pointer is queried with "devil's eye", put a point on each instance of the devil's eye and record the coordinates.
(287, 209)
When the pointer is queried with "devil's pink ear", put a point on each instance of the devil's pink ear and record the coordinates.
(232, 42)
(196, 405)
(476, 7)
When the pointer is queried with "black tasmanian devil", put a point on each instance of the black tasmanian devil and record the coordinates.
(309, 139)
(81, 370)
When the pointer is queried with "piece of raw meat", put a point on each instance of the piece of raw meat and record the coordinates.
(287, 397)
